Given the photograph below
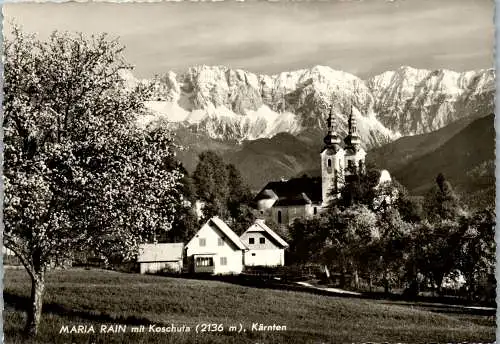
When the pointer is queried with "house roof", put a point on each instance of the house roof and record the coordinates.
(260, 226)
(228, 232)
(296, 191)
(160, 252)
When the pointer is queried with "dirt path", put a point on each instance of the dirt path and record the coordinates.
(332, 290)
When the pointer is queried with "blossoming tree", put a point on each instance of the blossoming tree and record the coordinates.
(78, 172)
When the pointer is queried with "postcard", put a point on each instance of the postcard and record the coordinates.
(249, 172)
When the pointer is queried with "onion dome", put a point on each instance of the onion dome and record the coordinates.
(352, 140)
(331, 138)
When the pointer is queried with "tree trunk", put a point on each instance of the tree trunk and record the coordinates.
(439, 285)
(356, 279)
(386, 283)
(35, 311)
(342, 279)
(469, 284)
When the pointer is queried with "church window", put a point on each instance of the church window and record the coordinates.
(279, 216)
(350, 165)
(329, 162)
(315, 210)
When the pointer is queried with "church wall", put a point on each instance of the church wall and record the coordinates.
(290, 213)
(328, 173)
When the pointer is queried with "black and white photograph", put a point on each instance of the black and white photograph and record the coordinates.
(256, 172)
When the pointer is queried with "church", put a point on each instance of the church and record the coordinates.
(283, 201)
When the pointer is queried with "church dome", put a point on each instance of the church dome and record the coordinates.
(352, 141)
(265, 199)
(331, 139)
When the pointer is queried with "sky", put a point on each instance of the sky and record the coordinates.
(362, 37)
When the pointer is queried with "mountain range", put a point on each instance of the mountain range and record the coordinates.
(466, 158)
(236, 105)
(271, 126)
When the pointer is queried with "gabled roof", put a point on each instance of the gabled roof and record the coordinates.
(228, 232)
(160, 252)
(291, 191)
(260, 226)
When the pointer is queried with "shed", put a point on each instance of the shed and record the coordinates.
(160, 257)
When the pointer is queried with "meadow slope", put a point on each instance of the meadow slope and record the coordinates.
(94, 297)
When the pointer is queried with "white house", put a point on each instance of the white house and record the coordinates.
(157, 257)
(216, 249)
(265, 247)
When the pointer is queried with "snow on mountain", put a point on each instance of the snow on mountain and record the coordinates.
(232, 104)
(411, 101)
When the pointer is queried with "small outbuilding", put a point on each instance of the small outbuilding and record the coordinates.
(265, 247)
(154, 258)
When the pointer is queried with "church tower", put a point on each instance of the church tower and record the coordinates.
(332, 163)
(354, 153)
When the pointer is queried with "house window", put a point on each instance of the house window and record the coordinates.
(203, 242)
(221, 242)
(262, 240)
(253, 254)
(279, 216)
(204, 261)
(251, 241)
(223, 260)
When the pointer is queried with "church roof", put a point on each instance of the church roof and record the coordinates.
(299, 199)
(296, 191)
(267, 194)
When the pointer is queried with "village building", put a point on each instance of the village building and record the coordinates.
(281, 202)
(215, 249)
(155, 258)
(265, 247)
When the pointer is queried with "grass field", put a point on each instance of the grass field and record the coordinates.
(95, 297)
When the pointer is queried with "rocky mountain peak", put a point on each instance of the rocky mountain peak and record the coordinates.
(234, 104)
